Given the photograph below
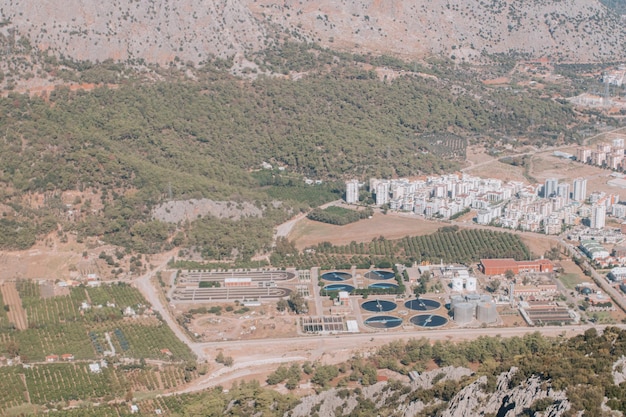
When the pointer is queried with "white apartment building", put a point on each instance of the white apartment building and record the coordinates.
(579, 192)
(598, 216)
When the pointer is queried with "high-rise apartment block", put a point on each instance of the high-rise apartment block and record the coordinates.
(579, 193)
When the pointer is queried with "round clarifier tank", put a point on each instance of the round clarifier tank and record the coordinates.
(422, 304)
(379, 274)
(487, 312)
(464, 312)
(383, 322)
(378, 306)
(339, 287)
(382, 286)
(336, 276)
(429, 320)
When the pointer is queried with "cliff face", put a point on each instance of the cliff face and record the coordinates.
(161, 30)
(472, 400)
(156, 30)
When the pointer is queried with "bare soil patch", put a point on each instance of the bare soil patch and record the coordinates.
(392, 226)
(543, 165)
(257, 323)
(16, 313)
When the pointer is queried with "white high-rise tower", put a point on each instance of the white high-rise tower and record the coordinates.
(579, 193)
(598, 216)
(550, 187)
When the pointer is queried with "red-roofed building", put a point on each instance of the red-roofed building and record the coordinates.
(500, 266)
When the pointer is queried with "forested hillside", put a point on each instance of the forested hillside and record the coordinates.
(201, 132)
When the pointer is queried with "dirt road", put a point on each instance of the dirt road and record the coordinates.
(154, 297)
(16, 314)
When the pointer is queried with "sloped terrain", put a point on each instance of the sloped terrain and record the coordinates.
(163, 31)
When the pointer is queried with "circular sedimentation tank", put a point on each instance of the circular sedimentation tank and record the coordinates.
(429, 320)
(378, 275)
(382, 286)
(383, 322)
(422, 304)
(336, 276)
(378, 306)
(487, 312)
(464, 312)
(339, 287)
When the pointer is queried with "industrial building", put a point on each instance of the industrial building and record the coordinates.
(500, 266)
(593, 249)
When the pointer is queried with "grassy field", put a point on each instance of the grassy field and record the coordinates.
(570, 280)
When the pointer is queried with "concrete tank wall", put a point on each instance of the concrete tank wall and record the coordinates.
(455, 299)
(464, 313)
(486, 312)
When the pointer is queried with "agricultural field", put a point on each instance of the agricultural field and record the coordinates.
(58, 383)
(59, 325)
(448, 244)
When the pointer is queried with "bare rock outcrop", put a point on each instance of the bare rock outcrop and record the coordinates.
(505, 400)
(161, 31)
(190, 210)
(619, 370)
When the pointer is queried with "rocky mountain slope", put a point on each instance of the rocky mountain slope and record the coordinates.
(163, 30)
(506, 398)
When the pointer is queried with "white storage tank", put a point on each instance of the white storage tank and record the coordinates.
(464, 313)
(457, 284)
(485, 298)
(473, 298)
(486, 312)
(456, 299)
(470, 284)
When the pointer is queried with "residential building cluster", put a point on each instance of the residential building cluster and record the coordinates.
(543, 208)
(604, 155)
(441, 196)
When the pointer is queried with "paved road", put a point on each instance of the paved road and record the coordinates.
(256, 357)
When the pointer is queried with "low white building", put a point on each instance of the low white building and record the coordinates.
(618, 274)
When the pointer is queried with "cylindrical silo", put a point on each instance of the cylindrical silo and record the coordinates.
(455, 299)
(487, 313)
(463, 313)
(470, 284)
(457, 284)
(473, 298)
(485, 298)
